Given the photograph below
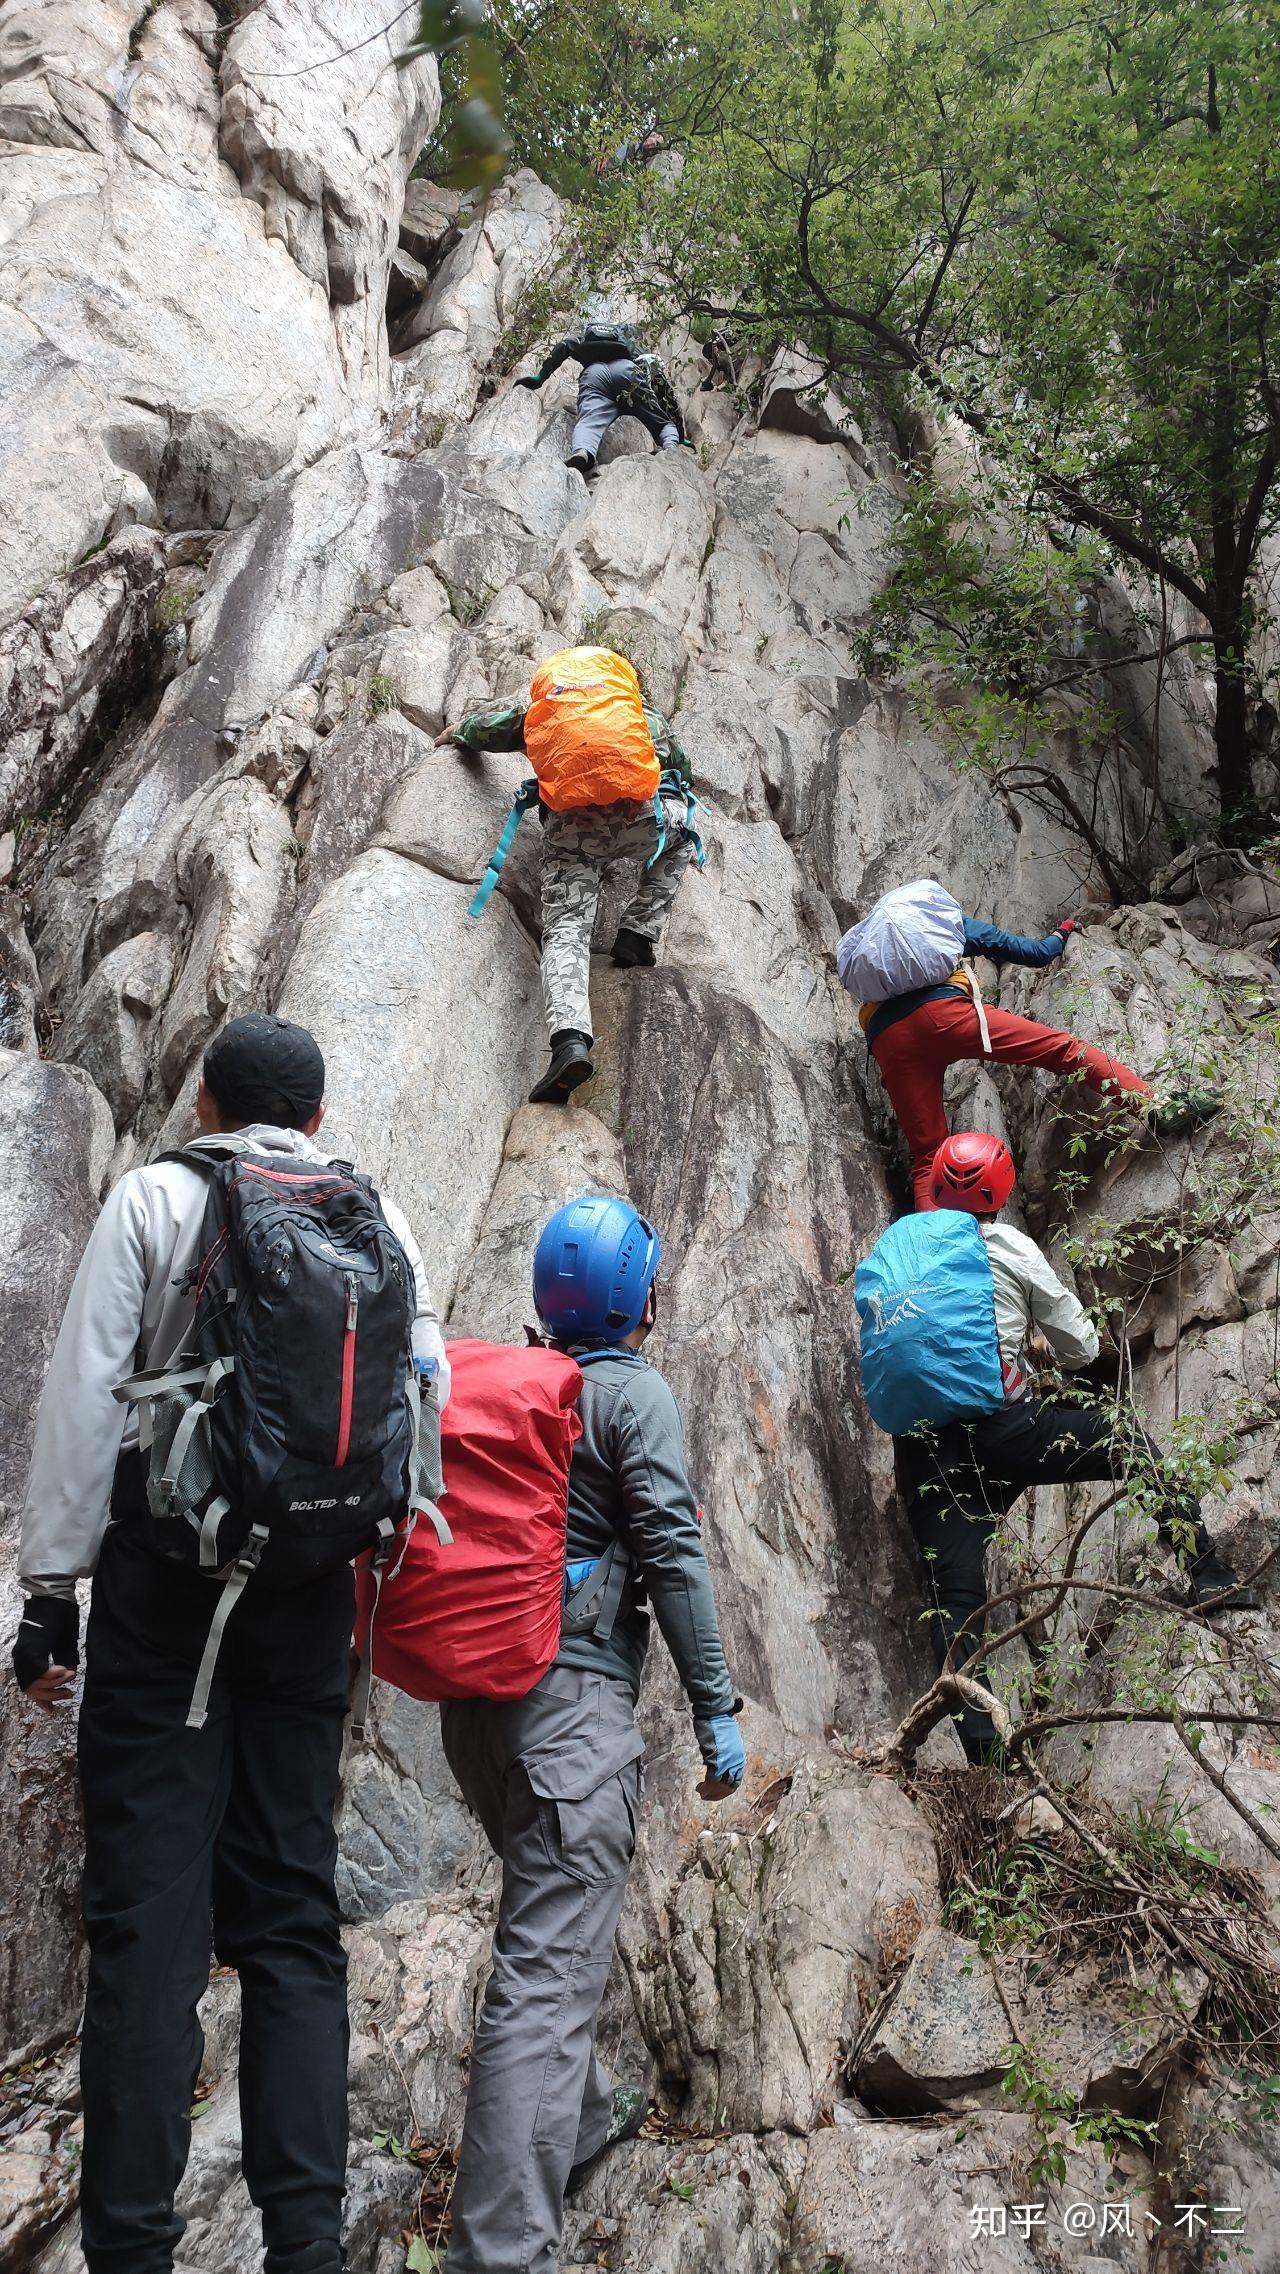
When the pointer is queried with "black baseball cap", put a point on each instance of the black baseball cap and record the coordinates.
(261, 1068)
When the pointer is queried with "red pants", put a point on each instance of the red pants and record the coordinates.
(914, 1053)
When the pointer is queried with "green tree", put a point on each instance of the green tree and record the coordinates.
(1062, 227)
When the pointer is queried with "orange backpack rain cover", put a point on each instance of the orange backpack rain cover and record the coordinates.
(585, 731)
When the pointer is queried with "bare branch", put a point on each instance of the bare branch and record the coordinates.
(1218, 1777)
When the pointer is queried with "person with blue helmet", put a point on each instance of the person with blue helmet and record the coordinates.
(555, 1776)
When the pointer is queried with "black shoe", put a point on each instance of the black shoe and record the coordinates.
(631, 2105)
(582, 462)
(1182, 1111)
(977, 1734)
(1214, 1586)
(570, 1067)
(632, 948)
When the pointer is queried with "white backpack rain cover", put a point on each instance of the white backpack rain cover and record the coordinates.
(913, 937)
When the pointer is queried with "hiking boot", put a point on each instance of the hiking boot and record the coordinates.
(1213, 1581)
(570, 1067)
(632, 948)
(977, 1734)
(582, 462)
(1182, 1111)
(631, 2105)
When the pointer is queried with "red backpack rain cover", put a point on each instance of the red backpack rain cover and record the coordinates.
(481, 1619)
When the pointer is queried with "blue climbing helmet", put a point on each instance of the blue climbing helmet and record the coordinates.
(592, 1270)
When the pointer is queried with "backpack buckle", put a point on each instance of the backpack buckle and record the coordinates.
(250, 1555)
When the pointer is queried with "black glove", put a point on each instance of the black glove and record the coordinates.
(531, 379)
(49, 1635)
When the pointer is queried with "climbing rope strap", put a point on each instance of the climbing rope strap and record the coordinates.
(526, 796)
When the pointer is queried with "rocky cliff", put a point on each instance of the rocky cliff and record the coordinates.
(272, 515)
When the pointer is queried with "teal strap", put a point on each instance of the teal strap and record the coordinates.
(525, 796)
(674, 783)
(660, 816)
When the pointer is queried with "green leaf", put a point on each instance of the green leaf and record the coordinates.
(683, 2188)
(422, 2258)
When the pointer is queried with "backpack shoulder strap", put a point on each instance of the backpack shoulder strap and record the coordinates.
(526, 796)
(593, 1606)
(206, 1159)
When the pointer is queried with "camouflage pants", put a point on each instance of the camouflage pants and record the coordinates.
(578, 847)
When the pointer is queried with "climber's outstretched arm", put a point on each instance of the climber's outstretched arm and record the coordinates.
(1011, 947)
(486, 730)
(564, 351)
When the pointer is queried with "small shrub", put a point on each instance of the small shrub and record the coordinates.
(468, 607)
(383, 694)
(173, 605)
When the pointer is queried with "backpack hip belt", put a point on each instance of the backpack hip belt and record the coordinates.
(672, 784)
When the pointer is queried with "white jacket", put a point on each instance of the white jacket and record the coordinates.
(1031, 1299)
(127, 1310)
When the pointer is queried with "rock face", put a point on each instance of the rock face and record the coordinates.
(200, 222)
(55, 1148)
(198, 229)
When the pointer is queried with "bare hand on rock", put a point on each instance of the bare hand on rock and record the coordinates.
(52, 1688)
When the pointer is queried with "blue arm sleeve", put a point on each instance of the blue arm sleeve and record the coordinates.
(1010, 947)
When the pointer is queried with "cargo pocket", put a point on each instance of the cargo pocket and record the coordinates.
(590, 1834)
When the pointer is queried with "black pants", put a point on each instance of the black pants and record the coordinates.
(962, 1479)
(230, 1824)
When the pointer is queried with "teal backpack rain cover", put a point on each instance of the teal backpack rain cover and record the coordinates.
(926, 1308)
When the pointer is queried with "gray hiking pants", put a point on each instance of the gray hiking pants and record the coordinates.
(577, 848)
(598, 407)
(555, 1781)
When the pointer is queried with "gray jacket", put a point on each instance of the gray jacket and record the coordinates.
(628, 1481)
(1031, 1299)
(128, 1309)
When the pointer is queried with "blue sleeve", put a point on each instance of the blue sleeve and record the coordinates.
(1010, 947)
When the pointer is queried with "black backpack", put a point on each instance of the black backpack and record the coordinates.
(620, 337)
(288, 1436)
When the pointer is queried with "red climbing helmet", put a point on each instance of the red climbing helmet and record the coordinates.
(973, 1171)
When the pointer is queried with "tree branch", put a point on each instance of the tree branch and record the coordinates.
(1218, 1777)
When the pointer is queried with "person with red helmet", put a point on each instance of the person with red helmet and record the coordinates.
(965, 1476)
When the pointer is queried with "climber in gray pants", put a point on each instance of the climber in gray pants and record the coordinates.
(618, 378)
(555, 1776)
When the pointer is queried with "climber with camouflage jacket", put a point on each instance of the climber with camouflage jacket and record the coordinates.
(619, 378)
(612, 783)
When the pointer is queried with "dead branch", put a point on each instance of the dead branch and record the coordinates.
(1218, 1776)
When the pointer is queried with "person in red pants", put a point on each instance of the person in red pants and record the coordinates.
(914, 1039)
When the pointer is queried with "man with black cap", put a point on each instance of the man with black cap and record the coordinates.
(236, 1816)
